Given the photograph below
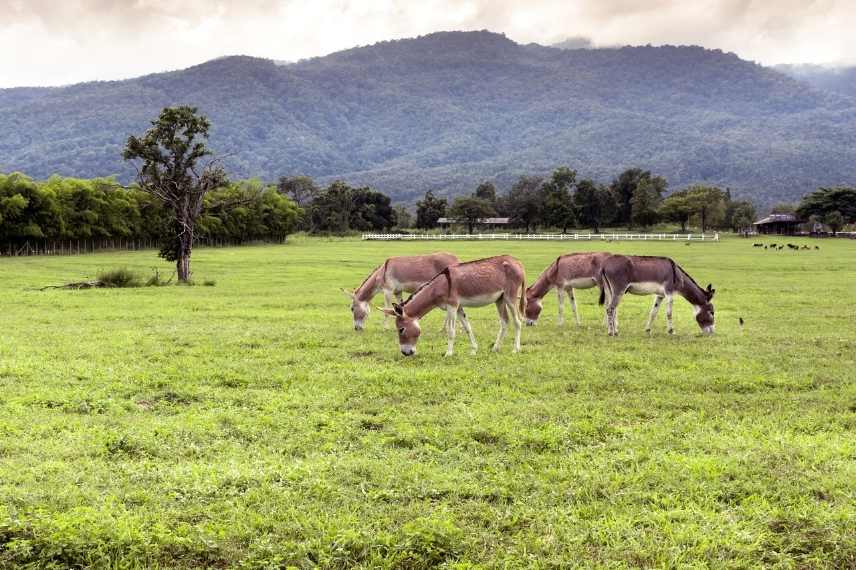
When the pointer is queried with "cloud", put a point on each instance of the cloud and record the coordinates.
(45, 42)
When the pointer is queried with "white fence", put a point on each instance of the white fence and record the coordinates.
(544, 237)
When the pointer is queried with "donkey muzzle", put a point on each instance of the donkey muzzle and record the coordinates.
(407, 350)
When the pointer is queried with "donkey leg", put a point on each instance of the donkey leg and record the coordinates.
(503, 324)
(465, 322)
(669, 328)
(612, 315)
(387, 303)
(653, 314)
(452, 319)
(574, 305)
(517, 319)
(560, 294)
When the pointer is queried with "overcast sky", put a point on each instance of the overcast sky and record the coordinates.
(55, 42)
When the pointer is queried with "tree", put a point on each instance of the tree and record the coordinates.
(170, 152)
(644, 204)
(708, 203)
(525, 203)
(330, 211)
(595, 205)
(784, 208)
(470, 210)
(301, 189)
(370, 210)
(403, 218)
(487, 192)
(558, 202)
(429, 210)
(826, 200)
(625, 186)
(677, 208)
(740, 215)
(835, 221)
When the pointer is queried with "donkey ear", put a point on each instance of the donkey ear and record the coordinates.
(710, 291)
(387, 311)
(397, 308)
(346, 292)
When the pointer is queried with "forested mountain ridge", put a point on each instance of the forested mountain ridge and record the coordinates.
(447, 110)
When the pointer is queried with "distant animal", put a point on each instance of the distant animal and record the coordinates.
(817, 247)
(758, 245)
(568, 272)
(740, 320)
(781, 247)
(394, 276)
(765, 247)
(805, 247)
(659, 276)
(500, 280)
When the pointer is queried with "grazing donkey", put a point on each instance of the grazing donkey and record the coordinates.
(397, 274)
(658, 276)
(568, 272)
(500, 280)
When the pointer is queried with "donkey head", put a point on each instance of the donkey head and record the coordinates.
(359, 309)
(533, 308)
(704, 312)
(408, 329)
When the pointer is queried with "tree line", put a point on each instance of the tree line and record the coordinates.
(101, 209)
(634, 199)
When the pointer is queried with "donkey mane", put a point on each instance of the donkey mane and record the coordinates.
(687, 275)
(442, 271)
(371, 274)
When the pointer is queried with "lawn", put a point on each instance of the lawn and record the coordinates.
(247, 424)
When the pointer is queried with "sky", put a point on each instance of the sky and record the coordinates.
(58, 42)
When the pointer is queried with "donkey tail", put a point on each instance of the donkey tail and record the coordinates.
(604, 283)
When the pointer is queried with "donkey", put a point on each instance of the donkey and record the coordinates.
(397, 274)
(568, 272)
(500, 280)
(658, 276)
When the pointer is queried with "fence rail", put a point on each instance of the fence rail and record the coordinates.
(544, 237)
(79, 247)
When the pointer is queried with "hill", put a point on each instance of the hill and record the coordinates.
(446, 110)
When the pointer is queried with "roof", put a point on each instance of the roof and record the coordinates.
(498, 221)
(779, 218)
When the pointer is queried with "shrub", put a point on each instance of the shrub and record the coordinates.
(119, 278)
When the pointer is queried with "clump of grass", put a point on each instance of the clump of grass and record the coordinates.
(209, 283)
(119, 278)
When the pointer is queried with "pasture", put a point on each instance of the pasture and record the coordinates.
(247, 424)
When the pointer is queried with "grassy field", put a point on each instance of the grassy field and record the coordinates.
(247, 424)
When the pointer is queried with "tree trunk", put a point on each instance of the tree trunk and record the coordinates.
(185, 247)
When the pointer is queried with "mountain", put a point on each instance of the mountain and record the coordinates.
(841, 80)
(447, 110)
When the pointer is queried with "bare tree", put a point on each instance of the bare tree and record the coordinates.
(171, 151)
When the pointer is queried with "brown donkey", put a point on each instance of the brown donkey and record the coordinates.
(660, 276)
(500, 280)
(568, 272)
(396, 275)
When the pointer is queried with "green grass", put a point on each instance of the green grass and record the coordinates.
(248, 424)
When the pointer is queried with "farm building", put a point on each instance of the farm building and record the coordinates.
(778, 224)
(482, 223)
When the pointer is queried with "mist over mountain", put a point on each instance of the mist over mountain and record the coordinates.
(841, 80)
(450, 109)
